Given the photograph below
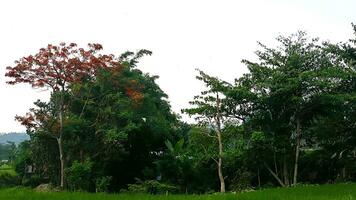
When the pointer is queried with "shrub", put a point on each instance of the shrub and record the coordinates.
(78, 175)
(8, 180)
(241, 181)
(102, 184)
(31, 181)
(152, 187)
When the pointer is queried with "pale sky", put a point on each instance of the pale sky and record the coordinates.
(183, 35)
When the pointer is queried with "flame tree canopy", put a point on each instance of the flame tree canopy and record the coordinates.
(112, 114)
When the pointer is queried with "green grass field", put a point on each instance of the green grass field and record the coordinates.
(6, 169)
(325, 192)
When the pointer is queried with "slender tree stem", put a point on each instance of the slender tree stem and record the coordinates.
(297, 147)
(218, 133)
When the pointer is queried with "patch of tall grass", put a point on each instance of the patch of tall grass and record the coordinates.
(323, 192)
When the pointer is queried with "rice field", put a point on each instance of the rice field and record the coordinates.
(6, 169)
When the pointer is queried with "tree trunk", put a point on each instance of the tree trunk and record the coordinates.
(297, 146)
(221, 177)
(81, 155)
(343, 173)
(285, 172)
(218, 133)
(274, 175)
(61, 158)
(258, 178)
(60, 141)
(275, 163)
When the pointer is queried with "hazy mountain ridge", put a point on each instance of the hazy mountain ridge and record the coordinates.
(13, 137)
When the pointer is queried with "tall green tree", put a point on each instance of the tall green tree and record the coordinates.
(118, 119)
(55, 68)
(207, 109)
(288, 80)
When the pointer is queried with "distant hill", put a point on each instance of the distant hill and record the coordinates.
(13, 137)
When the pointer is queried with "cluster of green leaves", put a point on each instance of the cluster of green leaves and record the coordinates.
(151, 187)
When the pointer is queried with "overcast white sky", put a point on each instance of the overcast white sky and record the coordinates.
(183, 35)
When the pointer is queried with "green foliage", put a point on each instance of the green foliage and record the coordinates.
(257, 136)
(177, 148)
(22, 158)
(31, 181)
(4, 151)
(241, 181)
(205, 106)
(8, 177)
(152, 187)
(79, 175)
(102, 184)
(8, 180)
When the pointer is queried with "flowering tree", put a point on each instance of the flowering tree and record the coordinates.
(55, 68)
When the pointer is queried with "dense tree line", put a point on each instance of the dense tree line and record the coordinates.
(6, 151)
(109, 127)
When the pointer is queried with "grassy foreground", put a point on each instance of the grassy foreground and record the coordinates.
(325, 192)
